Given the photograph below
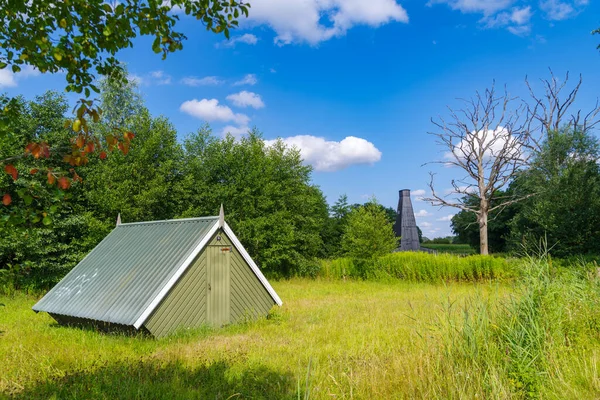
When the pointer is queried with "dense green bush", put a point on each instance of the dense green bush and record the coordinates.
(368, 233)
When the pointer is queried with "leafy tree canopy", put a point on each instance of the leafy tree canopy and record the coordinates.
(267, 195)
(565, 178)
(82, 37)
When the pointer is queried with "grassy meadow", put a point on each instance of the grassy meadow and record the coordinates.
(333, 338)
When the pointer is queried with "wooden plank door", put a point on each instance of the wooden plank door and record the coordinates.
(218, 281)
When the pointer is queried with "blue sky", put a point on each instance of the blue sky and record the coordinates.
(355, 83)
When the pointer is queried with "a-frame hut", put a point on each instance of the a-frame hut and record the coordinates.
(163, 276)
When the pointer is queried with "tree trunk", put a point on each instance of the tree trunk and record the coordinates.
(483, 232)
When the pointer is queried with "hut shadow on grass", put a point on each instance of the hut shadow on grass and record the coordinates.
(105, 329)
(153, 379)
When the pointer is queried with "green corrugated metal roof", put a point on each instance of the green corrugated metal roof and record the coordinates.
(127, 271)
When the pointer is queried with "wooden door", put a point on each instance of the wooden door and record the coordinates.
(218, 285)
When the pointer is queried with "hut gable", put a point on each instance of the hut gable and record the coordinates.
(159, 276)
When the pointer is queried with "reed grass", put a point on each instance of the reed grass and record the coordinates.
(422, 267)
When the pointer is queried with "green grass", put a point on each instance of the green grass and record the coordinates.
(460, 249)
(332, 339)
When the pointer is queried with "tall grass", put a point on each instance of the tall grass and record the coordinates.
(334, 339)
(422, 267)
(543, 342)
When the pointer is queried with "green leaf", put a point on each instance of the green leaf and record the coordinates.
(47, 220)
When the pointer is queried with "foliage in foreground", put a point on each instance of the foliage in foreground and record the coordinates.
(422, 267)
(536, 344)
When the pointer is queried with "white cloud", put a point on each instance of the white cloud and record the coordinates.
(557, 10)
(516, 20)
(10, 79)
(326, 155)
(246, 38)
(314, 21)
(418, 192)
(462, 190)
(246, 99)
(520, 30)
(249, 79)
(498, 13)
(422, 213)
(485, 7)
(7, 78)
(235, 130)
(272, 70)
(521, 16)
(446, 218)
(425, 224)
(206, 81)
(160, 78)
(210, 110)
(495, 142)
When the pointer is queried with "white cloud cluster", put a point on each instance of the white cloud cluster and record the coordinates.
(211, 110)
(235, 130)
(446, 218)
(160, 78)
(246, 38)
(422, 213)
(556, 10)
(10, 79)
(206, 81)
(326, 155)
(517, 20)
(249, 79)
(314, 21)
(246, 99)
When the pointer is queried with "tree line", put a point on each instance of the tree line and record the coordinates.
(281, 217)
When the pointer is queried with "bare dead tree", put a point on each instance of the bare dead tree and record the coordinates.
(493, 137)
(551, 111)
(487, 141)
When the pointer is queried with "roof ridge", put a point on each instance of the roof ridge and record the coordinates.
(170, 221)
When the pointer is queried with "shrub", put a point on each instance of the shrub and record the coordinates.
(368, 233)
